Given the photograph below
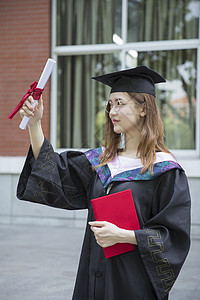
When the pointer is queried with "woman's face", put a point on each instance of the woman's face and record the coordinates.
(124, 113)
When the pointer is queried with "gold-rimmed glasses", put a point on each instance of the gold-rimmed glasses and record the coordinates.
(117, 105)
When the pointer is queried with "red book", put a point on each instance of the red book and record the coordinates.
(118, 209)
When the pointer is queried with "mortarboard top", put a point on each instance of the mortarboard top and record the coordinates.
(138, 80)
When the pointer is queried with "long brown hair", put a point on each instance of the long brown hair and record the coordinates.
(151, 136)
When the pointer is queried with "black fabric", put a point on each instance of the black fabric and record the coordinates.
(138, 80)
(163, 207)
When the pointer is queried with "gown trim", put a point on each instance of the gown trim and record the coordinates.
(106, 176)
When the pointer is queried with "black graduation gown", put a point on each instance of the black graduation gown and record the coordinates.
(162, 202)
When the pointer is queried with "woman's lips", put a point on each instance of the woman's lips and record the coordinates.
(115, 121)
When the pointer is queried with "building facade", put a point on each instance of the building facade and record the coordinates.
(88, 38)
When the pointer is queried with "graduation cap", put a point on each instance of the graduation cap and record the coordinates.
(138, 80)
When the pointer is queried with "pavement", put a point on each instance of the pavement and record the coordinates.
(40, 263)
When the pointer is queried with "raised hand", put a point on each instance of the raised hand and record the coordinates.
(35, 114)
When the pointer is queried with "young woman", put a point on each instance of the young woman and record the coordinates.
(145, 166)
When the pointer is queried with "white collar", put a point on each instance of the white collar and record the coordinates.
(121, 164)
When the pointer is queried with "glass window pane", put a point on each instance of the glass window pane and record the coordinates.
(176, 98)
(81, 100)
(156, 20)
(88, 21)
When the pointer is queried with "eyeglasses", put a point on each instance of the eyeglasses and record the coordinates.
(117, 106)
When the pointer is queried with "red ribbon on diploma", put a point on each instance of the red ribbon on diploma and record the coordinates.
(35, 92)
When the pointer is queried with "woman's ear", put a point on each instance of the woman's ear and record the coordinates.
(143, 111)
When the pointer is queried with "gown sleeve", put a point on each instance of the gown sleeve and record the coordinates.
(58, 180)
(164, 241)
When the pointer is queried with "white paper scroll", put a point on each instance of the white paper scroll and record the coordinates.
(41, 84)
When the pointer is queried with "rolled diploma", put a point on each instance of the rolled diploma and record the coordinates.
(41, 84)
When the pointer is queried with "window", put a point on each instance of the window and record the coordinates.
(158, 20)
(176, 98)
(81, 22)
(81, 116)
(93, 37)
